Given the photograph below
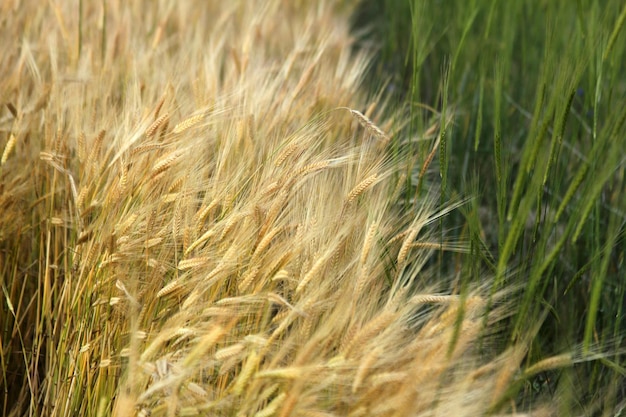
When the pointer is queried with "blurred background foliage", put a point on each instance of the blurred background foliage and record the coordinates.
(536, 93)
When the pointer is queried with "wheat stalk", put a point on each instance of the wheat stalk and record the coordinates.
(387, 377)
(201, 215)
(81, 147)
(12, 109)
(361, 281)
(307, 169)
(204, 345)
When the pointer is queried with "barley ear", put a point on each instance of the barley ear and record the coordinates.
(7, 149)
(368, 124)
(188, 123)
(361, 187)
(152, 129)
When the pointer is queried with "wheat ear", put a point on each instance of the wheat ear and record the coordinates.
(371, 329)
(192, 263)
(429, 159)
(406, 245)
(368, 124)
(361, 187)
(554, 362)
(7, 149)
(367, 244)
(187, 123)
(152, 129)
(159, 105)
(165, 162)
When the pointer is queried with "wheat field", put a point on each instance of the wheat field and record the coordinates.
(198, 217)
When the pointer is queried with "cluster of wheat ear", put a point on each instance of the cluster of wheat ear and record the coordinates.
(193, 224)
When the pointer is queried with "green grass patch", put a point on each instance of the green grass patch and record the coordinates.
(538, 142)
